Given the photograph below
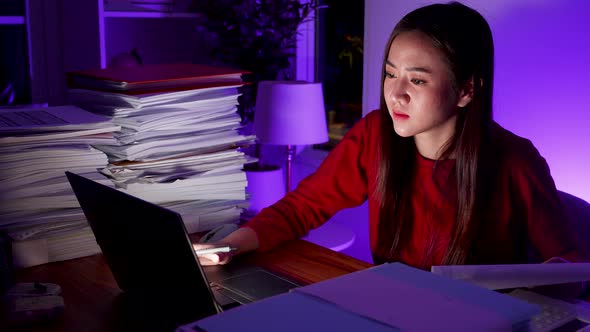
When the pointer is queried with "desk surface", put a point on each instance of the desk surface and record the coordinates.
(89, 289)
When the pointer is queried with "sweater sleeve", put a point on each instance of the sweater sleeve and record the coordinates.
(339, 182)
(549, 231)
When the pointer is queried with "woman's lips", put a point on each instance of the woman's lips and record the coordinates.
(400, 116)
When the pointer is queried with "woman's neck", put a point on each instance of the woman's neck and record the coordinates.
(432, 144)
(432, 151)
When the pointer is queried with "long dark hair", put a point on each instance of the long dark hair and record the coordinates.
(465, 39)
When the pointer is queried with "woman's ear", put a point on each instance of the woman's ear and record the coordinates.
(466, 94)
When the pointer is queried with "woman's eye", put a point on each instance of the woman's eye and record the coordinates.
(390, 75)
(418, 81)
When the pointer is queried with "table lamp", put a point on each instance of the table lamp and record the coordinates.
(290, 113)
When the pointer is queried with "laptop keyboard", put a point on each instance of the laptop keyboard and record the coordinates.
(249, 286)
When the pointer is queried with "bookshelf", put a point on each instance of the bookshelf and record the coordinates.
(57, 36)
(123, 9)
(148, 14)
(97, 30)
(53, 37)
(12, 12)
(14, 65)
(12, 20)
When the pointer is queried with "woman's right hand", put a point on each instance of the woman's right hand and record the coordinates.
(213, 259)
(243, 239)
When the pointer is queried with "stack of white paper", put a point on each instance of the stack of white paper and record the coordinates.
(36, 147)
(165, 125)
(180, 149)
(207, 214)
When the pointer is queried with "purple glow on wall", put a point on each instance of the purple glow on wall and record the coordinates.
(542, 70)
(541, 88)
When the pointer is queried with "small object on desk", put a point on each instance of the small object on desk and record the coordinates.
(218, 233)
(28, 289)
(216, 250)
(34, 309)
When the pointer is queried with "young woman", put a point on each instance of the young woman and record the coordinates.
(445, 184)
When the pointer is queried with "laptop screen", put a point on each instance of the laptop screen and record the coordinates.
(145, 245)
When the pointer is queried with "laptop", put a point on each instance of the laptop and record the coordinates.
(150, 255)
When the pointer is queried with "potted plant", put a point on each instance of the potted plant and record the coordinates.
(255, 35)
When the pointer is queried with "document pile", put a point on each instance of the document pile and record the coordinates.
(36, 146)
(389, 297)
(179, 142)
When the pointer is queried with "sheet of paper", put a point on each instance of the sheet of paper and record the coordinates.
(99, 99)
(516, 275)
(28, 179)
(166, 148)
(36, 218)
(184, 160)
(174, 120)
(97, 139)
(57, 118)
(56, 135)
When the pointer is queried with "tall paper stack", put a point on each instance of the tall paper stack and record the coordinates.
(37, 204)
(179, 143)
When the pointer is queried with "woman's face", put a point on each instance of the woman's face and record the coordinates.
(418, 89)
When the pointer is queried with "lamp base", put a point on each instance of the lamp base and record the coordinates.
(265, 185)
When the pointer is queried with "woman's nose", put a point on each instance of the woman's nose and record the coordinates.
(398, 92)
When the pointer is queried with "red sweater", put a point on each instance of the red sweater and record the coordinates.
(526, 211)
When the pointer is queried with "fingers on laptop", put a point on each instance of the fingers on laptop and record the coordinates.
(220, 258)
(215, 259)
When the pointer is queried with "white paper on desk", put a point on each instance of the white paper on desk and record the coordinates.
(516, 275)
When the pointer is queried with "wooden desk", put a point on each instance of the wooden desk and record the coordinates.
(90, 291)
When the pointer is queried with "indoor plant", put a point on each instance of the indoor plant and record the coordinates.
(255, 35)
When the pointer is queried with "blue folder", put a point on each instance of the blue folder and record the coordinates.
(389, 297)
(290, 312)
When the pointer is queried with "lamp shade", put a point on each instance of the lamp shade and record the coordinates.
(290, 113)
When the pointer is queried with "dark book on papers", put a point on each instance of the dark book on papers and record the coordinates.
(154, 77)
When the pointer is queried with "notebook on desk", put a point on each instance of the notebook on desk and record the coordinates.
(149, 251)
